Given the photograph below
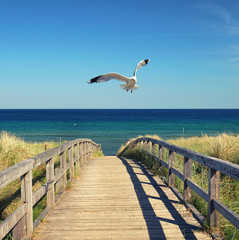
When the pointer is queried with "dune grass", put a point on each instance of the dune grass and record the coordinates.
(223, 146)
(12, 151)
(98, 154)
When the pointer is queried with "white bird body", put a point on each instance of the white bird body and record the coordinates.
(130, 83)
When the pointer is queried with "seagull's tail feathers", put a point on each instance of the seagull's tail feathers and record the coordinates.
(124, 87)
(135, 87)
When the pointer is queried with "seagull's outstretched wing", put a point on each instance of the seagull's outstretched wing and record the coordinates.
(109, 76)
(141, 64)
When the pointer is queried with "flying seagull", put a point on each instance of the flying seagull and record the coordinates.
(130, 83)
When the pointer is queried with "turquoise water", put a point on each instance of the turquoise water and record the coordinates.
(111, 128)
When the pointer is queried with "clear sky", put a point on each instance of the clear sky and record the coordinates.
(49, 49)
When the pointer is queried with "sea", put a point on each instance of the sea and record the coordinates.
(113, 127)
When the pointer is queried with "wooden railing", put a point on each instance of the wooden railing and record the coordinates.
(215, 166)
(72, 154)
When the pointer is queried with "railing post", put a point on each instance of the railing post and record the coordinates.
(96, 148)
(50, 183)
(71, 160)
(63, 166)
(160, 152)
(144, 145)
(77, 158)
(84, 152)
(213, 193)
(25, 226)
(187, 175)
(154, 149)
(149, 146)
(170, 165)
(140, 145)
(90, 149)
(28, 199)
(81, 154)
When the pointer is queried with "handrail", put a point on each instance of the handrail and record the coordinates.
(215, 166)
(20, 222)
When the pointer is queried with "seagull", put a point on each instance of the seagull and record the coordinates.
(130, 83)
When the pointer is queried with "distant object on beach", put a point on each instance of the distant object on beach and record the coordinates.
(130, 83)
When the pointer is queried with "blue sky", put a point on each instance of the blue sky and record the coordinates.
(50, 49)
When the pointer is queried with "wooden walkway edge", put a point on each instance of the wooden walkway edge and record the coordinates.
(116, 198)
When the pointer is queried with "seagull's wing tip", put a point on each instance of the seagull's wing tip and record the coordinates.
(94, 80)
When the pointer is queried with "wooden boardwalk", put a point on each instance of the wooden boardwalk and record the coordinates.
(117, 199)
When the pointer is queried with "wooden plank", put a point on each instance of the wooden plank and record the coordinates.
(16, 171)
(161, 151)
(223, 166)
(87, 151)
(77, 157)
(25, 226)
(170, 166)
(138, 145)
(71, 160)
(50, 183)
(81, 155)
(95, 208)
(43, 157)
(213, 193)
(84, 153)
(154, 149)
(58, 175)
(39, 194)
(145, 145)
(149, 147)
(12, 220)
(177, 173)
(226, 212)
(64, 177)
(42, 215)
(26, 192)
(197, 189)
(163, 163)
(141, 145)
(187, 169)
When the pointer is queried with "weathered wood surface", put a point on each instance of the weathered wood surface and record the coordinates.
(228, 168)
(215, 166)
(10, 174)
(118, 199)
(21, 220)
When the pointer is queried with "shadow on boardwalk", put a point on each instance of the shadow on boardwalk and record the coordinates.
(152, 218)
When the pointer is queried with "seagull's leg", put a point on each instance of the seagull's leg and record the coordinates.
(131, 90)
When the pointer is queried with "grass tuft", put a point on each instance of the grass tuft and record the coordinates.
(12, 151)
(223, 146)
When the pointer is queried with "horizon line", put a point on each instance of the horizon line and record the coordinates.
(119, 108)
